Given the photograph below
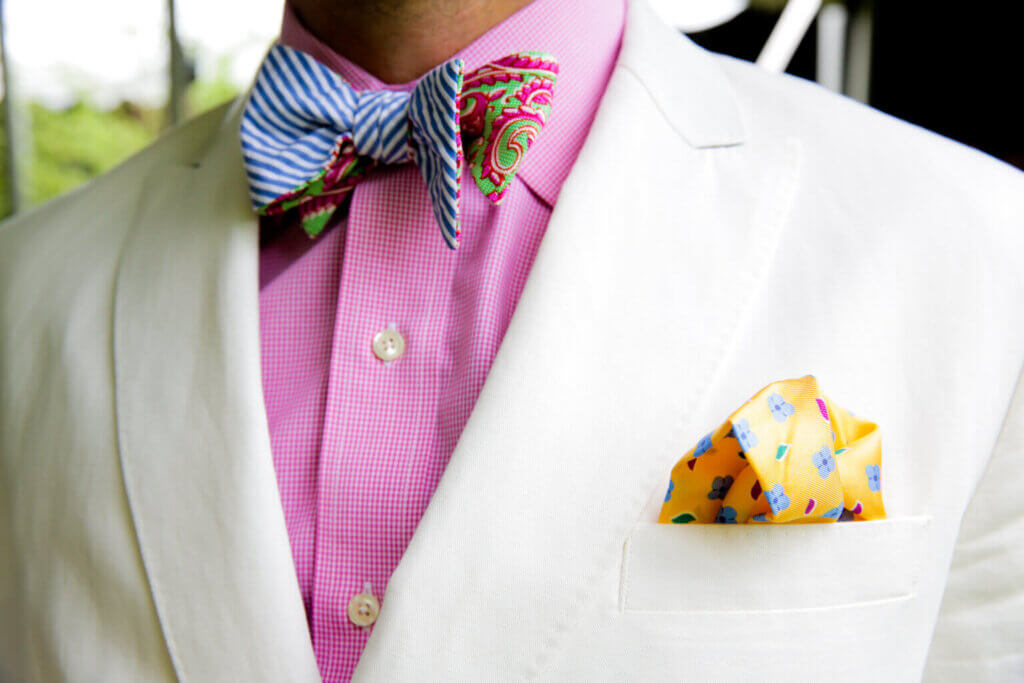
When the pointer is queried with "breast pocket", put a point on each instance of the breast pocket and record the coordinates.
(846, 601)
(771, 567)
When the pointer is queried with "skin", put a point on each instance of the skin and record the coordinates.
(400, 40)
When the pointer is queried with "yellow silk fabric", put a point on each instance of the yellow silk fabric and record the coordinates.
(787, 455)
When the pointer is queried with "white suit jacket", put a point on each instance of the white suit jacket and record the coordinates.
(723, 228)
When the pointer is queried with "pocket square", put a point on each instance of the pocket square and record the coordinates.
(789, 454)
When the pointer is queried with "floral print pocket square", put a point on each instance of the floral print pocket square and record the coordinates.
(789, 454)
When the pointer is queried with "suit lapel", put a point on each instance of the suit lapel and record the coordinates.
(192, 430)
(652, 258)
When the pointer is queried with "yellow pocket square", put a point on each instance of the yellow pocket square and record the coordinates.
(789, 454)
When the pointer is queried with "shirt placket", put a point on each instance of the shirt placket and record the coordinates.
(388, 366)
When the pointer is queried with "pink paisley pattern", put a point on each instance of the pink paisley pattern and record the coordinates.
(504, 105)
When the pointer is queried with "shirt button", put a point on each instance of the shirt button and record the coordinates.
(363, 609)
(388, 344)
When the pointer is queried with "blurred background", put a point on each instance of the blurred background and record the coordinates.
(86, 84)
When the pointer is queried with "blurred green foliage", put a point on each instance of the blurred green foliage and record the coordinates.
(70, 146)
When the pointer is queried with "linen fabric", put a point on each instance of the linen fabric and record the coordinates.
(359, 446)
(788, 455)
(308, 137)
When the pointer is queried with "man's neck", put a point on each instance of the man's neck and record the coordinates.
(399, 40)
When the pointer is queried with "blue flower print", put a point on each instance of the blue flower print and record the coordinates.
(747, 438)
(719, 487)
(834, 513)
(874, 477)
(777, 498)
(824, 461)
(668, 494)
(760, 517)
(727, 515)
(703, 446)
(781, 409)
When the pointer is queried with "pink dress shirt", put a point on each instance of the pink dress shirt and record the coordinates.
(359, 445)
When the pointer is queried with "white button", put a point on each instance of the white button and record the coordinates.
(363, 609)
(388, 344)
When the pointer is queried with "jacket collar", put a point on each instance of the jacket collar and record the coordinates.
(686, 82)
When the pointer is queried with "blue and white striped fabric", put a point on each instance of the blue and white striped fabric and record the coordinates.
(299, 112)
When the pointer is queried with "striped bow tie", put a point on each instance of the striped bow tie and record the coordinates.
(308, 137)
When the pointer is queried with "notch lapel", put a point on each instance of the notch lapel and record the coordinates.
(652, 258)
(192, 430)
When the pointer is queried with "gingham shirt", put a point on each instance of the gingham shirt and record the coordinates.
(359, 445)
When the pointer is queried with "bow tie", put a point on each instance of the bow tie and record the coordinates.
(308, 137)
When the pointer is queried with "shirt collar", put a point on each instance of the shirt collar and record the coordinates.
(583, 35)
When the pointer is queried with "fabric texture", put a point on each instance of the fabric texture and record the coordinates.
(789, 454)
(359, 446)
(308, 136)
